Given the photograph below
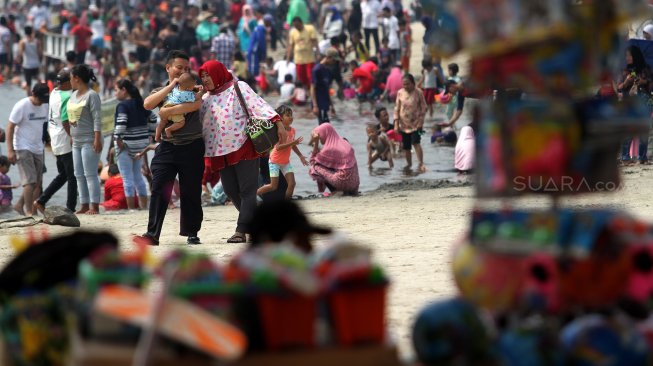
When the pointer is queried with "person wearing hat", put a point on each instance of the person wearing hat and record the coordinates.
(322, 77)
(206, 30)
(59, 130)
(648, 32)
(25, 143)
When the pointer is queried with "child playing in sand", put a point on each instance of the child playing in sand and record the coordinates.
(182, 93)
(299, 95)
(5, 185)
(114, 191)
(378, 147)
(384, 126)
(286, 90)
(280, 156)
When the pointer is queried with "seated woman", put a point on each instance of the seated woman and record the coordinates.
(465, 150)
(334, 166)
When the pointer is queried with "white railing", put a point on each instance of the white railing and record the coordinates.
(56, 45)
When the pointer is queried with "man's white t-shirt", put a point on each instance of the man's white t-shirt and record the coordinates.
(29, 119)
(59, 139)
(370, 10)
(392, 27)
(283, 68)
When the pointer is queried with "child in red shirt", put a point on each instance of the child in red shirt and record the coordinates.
(114, 192)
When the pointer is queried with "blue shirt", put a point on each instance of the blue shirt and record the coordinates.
(178, 96)
(257, 42)
(322, 79)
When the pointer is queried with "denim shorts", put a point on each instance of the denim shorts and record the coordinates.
(283, 168)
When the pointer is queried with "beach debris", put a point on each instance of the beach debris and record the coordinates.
(59, 215)
(18, 222)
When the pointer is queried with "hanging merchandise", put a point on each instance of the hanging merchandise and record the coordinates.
(555, 285)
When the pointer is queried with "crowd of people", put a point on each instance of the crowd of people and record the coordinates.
(205, 74)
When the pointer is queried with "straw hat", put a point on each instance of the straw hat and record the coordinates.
(204, 16)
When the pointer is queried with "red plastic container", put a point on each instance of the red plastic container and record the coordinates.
(287, 320)
(358, 314)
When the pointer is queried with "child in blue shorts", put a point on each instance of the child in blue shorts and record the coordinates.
(280, 156)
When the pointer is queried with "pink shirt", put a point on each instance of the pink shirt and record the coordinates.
(394, 82)
(282, 157)
(410, 109)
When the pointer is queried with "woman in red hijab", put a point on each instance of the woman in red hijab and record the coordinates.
(229, 149)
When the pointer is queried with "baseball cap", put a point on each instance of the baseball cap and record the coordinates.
(41, 92)
(649, 29)
(63, 76)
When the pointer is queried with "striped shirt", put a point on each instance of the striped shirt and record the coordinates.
(134, 125)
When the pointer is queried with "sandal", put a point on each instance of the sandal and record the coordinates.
(237, 238)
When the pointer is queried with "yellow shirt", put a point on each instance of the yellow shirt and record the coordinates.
(75, 110)
(240, 69)
(303, 42)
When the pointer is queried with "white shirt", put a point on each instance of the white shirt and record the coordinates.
(283, 68)
(59, 139)
(39, 15)
(5, 38)
(29, 120)
(370, 10)
(392, 27)
(286, 91)
(301, 95)
(97, 27)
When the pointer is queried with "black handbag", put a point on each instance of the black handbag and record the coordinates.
(263, 133)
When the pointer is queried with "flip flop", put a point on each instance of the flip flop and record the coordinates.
(237, 238)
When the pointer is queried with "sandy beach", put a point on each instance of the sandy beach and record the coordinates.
(411, 228)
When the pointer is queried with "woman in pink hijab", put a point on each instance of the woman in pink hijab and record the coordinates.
(245, 27)
(334, 166)
(465, 150)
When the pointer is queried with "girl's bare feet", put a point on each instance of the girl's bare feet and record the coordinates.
(83, 209)
(421, 168)
(94, 210)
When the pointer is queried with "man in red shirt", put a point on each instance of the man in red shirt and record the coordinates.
(83, 34)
